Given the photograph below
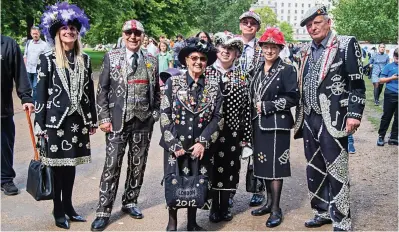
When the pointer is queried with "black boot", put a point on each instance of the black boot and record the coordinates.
(192, 220)
(172, 224)
(99, 224)
(214, 214)
(224, 206)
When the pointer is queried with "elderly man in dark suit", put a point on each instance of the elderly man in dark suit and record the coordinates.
(128, 102)
(331, 107)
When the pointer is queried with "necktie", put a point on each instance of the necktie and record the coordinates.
(135, 61)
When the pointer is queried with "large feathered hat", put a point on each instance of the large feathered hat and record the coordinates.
(272, 35)
(194, 44)
(62, 14)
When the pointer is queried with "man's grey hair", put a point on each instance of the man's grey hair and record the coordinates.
(326, 17)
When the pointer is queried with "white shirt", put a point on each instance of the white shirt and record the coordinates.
(33, 49)
(249, 49)
(129, 56)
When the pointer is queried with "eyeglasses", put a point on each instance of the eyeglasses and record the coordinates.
(249, 23)
(135, 32)
(201, 58)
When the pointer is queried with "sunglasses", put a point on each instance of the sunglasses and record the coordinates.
(135, 32)
(196, 58)
(249, 23)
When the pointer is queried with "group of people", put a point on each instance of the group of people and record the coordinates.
(233, 101)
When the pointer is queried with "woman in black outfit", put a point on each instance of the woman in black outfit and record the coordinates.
(65, 107)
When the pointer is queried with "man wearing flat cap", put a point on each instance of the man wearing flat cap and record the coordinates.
(250, 23)
(331, 107)
(128, 102)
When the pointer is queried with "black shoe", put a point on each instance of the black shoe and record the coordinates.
(76, 218)
(134, 212)
(99, 224)
(338, 229)
(195, 227)
(9, 188)
(215, 217)
(393, 142)
(257, 199)
(227, 216)
(380, 141)
(167, 229)
(261, 211)
(62, 223)
(275, 219)
(317, 222)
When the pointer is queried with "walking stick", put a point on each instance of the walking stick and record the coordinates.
(32, 136)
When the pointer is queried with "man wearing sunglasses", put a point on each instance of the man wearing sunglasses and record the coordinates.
(128, 102)
(250, 23)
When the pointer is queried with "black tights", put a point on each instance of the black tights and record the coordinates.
(273, 189)
(191, 218)
(377, 91)
(64, 178)
(220, 201)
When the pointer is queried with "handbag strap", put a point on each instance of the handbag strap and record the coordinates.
(196, 165)
(32, 136)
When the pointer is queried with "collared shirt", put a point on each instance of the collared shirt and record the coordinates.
(218, 66)
(378, 61)
(388, 71)
(129, 56)
(32, 51)
(317, 50)
(196, 92)
(163, 61)
(249, 49)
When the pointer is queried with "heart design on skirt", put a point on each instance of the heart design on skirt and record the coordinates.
(66, 146)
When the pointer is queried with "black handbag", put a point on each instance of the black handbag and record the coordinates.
(40, 183)
(186, 191)
(251, 181)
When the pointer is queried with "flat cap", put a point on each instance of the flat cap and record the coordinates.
(133, 25)
(312, 13)
(251, 14)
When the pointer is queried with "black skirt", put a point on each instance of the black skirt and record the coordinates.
(271, 153)
(70, 144)
(227, 160)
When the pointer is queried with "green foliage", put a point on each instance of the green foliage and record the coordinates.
(268, 17)
(96, 58)
(369, 20)
(287, 30)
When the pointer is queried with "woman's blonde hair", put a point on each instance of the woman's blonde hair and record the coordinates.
(60, 57)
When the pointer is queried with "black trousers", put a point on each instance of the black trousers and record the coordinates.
(7, 149)
(390, 109)
(137, 135)
(327, 172)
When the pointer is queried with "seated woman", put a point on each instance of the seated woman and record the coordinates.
(274, 90)
(190, 120)
(237, 120)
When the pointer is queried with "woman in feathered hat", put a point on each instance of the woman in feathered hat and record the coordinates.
(65, 106)
(236, 131)
(274, 91)
(190, 119)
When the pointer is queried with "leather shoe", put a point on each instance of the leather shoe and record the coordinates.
(215, 217)
(338, 229)
(275, 219)
(134, 212)
(261, 211)
(76, 218)
(99, 224)
(227, 216)
(257, 199)
(195, 227)
(317, 222)
(62, 223)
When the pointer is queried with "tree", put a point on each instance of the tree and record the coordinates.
(268, 17)
(370, 20)
(286, 28)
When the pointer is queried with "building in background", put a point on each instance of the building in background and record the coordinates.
(292, 11)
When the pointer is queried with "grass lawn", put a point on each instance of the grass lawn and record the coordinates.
(372, 111)
(96, 58)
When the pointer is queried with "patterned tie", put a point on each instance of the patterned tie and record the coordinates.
(134, 62)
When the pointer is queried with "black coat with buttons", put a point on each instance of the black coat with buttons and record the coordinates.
(278, 92)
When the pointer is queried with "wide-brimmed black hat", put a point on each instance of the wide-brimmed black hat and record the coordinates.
(196, 45)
